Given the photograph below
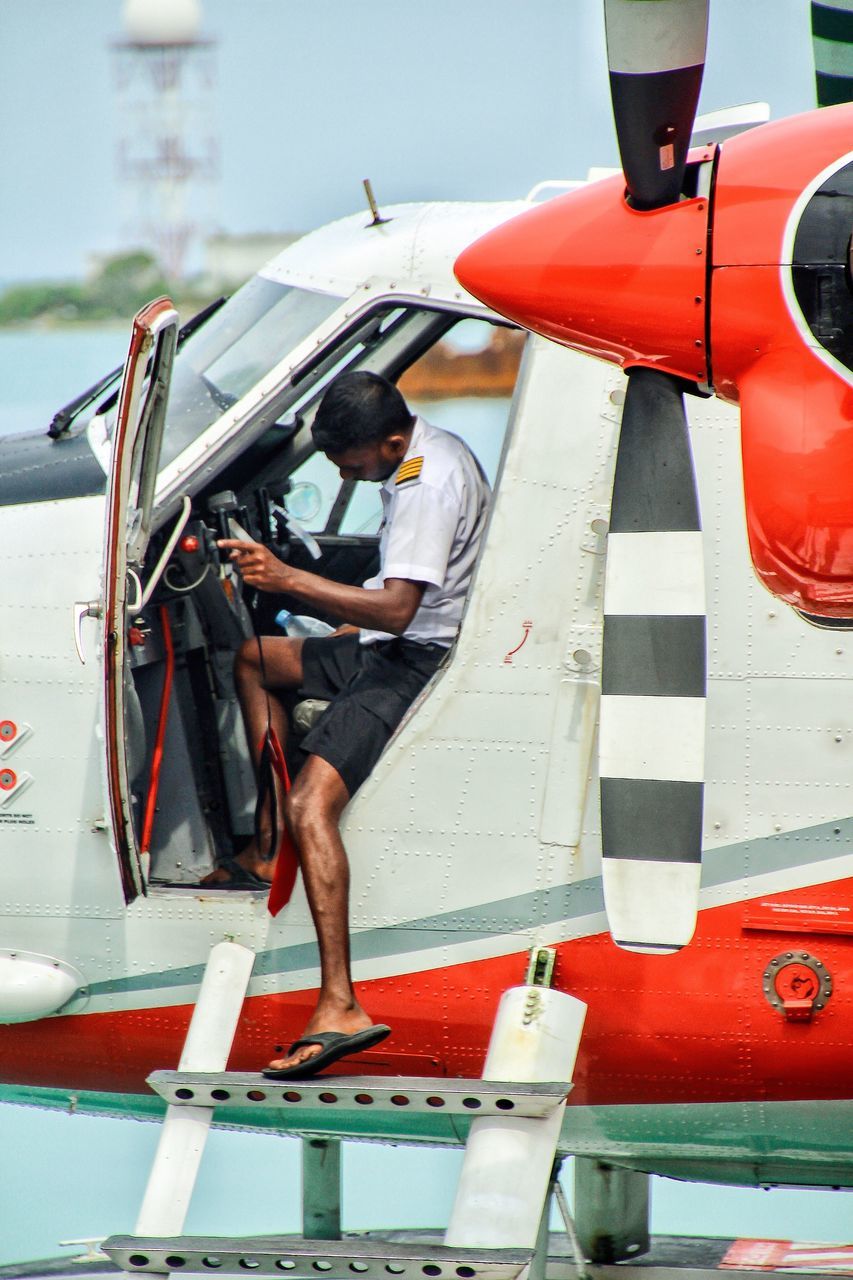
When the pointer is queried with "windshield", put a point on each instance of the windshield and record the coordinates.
(237, 346)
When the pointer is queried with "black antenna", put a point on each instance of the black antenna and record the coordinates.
(373, 206)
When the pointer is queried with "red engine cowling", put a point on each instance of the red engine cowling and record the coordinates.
(754, 299)
(782, 345)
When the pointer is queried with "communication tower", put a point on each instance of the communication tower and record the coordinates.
(168, 151)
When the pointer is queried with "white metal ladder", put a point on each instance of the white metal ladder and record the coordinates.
(496, 1222)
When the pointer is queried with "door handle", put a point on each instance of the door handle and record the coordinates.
(84, 609)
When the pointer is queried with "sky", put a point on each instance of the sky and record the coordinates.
(431, 99)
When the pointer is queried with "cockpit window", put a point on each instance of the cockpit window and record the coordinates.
(224, 359)
(463, 381)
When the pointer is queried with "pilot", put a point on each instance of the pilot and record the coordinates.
(399, 626)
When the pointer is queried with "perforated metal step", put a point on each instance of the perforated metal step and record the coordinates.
(332, 1259)
(381, 1093)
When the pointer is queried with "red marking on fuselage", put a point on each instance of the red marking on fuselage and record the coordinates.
(527, 624)
(690, 1027)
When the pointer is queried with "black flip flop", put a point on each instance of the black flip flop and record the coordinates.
(334, 1046)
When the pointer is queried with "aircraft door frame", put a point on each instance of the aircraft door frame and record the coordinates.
(131, 482)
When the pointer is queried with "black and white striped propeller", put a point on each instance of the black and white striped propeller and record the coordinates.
(656, 56)
(652, 726)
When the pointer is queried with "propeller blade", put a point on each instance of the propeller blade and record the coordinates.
(652, 725)
(656, 56)
(832, 40)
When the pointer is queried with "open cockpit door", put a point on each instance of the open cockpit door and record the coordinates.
(138, 434)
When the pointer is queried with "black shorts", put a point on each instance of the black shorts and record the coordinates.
(370, 688)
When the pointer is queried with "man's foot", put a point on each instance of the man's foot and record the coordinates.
(327, 1047)
(248, 870)
(343, 1021)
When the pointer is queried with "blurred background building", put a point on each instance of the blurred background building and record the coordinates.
(168, 153)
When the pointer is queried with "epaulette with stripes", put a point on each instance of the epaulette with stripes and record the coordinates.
(409, 470)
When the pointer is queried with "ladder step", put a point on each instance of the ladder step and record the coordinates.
(379, 1093)
(296, 1257)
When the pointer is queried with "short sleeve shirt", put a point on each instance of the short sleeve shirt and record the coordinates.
(435, 507)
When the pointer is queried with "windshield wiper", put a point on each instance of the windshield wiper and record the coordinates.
(63, 417)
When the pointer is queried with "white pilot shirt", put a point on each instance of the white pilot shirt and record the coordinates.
(435, 507)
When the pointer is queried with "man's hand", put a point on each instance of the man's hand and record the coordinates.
(389, 608)
(257, 565)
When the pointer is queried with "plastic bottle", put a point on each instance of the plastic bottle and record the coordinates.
(300, 626)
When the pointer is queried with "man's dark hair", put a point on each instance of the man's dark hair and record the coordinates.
(359, 408)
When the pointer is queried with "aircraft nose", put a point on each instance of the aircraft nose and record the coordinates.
(588, 271)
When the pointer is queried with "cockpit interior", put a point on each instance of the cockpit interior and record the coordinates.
(192, 788)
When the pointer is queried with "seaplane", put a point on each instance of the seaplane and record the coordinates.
(601, 875)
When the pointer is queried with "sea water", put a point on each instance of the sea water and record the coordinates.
(43, 369)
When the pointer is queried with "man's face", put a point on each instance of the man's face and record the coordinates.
(375, 461)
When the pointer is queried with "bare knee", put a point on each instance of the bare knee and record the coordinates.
(301, 812)
(311, 812)
(281, 667)
(246, 659)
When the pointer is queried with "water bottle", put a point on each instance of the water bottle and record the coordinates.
(300, 626)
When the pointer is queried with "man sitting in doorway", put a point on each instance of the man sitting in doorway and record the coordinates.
(400, 624)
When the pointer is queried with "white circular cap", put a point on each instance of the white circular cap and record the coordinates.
(162, 21)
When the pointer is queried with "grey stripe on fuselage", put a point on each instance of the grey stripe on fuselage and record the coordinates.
(540, 908)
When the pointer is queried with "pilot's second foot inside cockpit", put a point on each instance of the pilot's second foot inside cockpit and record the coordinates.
(257, 676)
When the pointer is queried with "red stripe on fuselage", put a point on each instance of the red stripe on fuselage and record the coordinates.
(690, 1027)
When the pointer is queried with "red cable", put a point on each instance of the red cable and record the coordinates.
(157, 757)
(284, 876)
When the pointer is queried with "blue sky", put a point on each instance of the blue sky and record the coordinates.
(440, 99)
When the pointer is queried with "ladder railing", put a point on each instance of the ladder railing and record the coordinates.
(508, 1160)
(185, 1129)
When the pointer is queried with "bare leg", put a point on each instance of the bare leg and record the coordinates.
(283, 668)
(314, 808)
